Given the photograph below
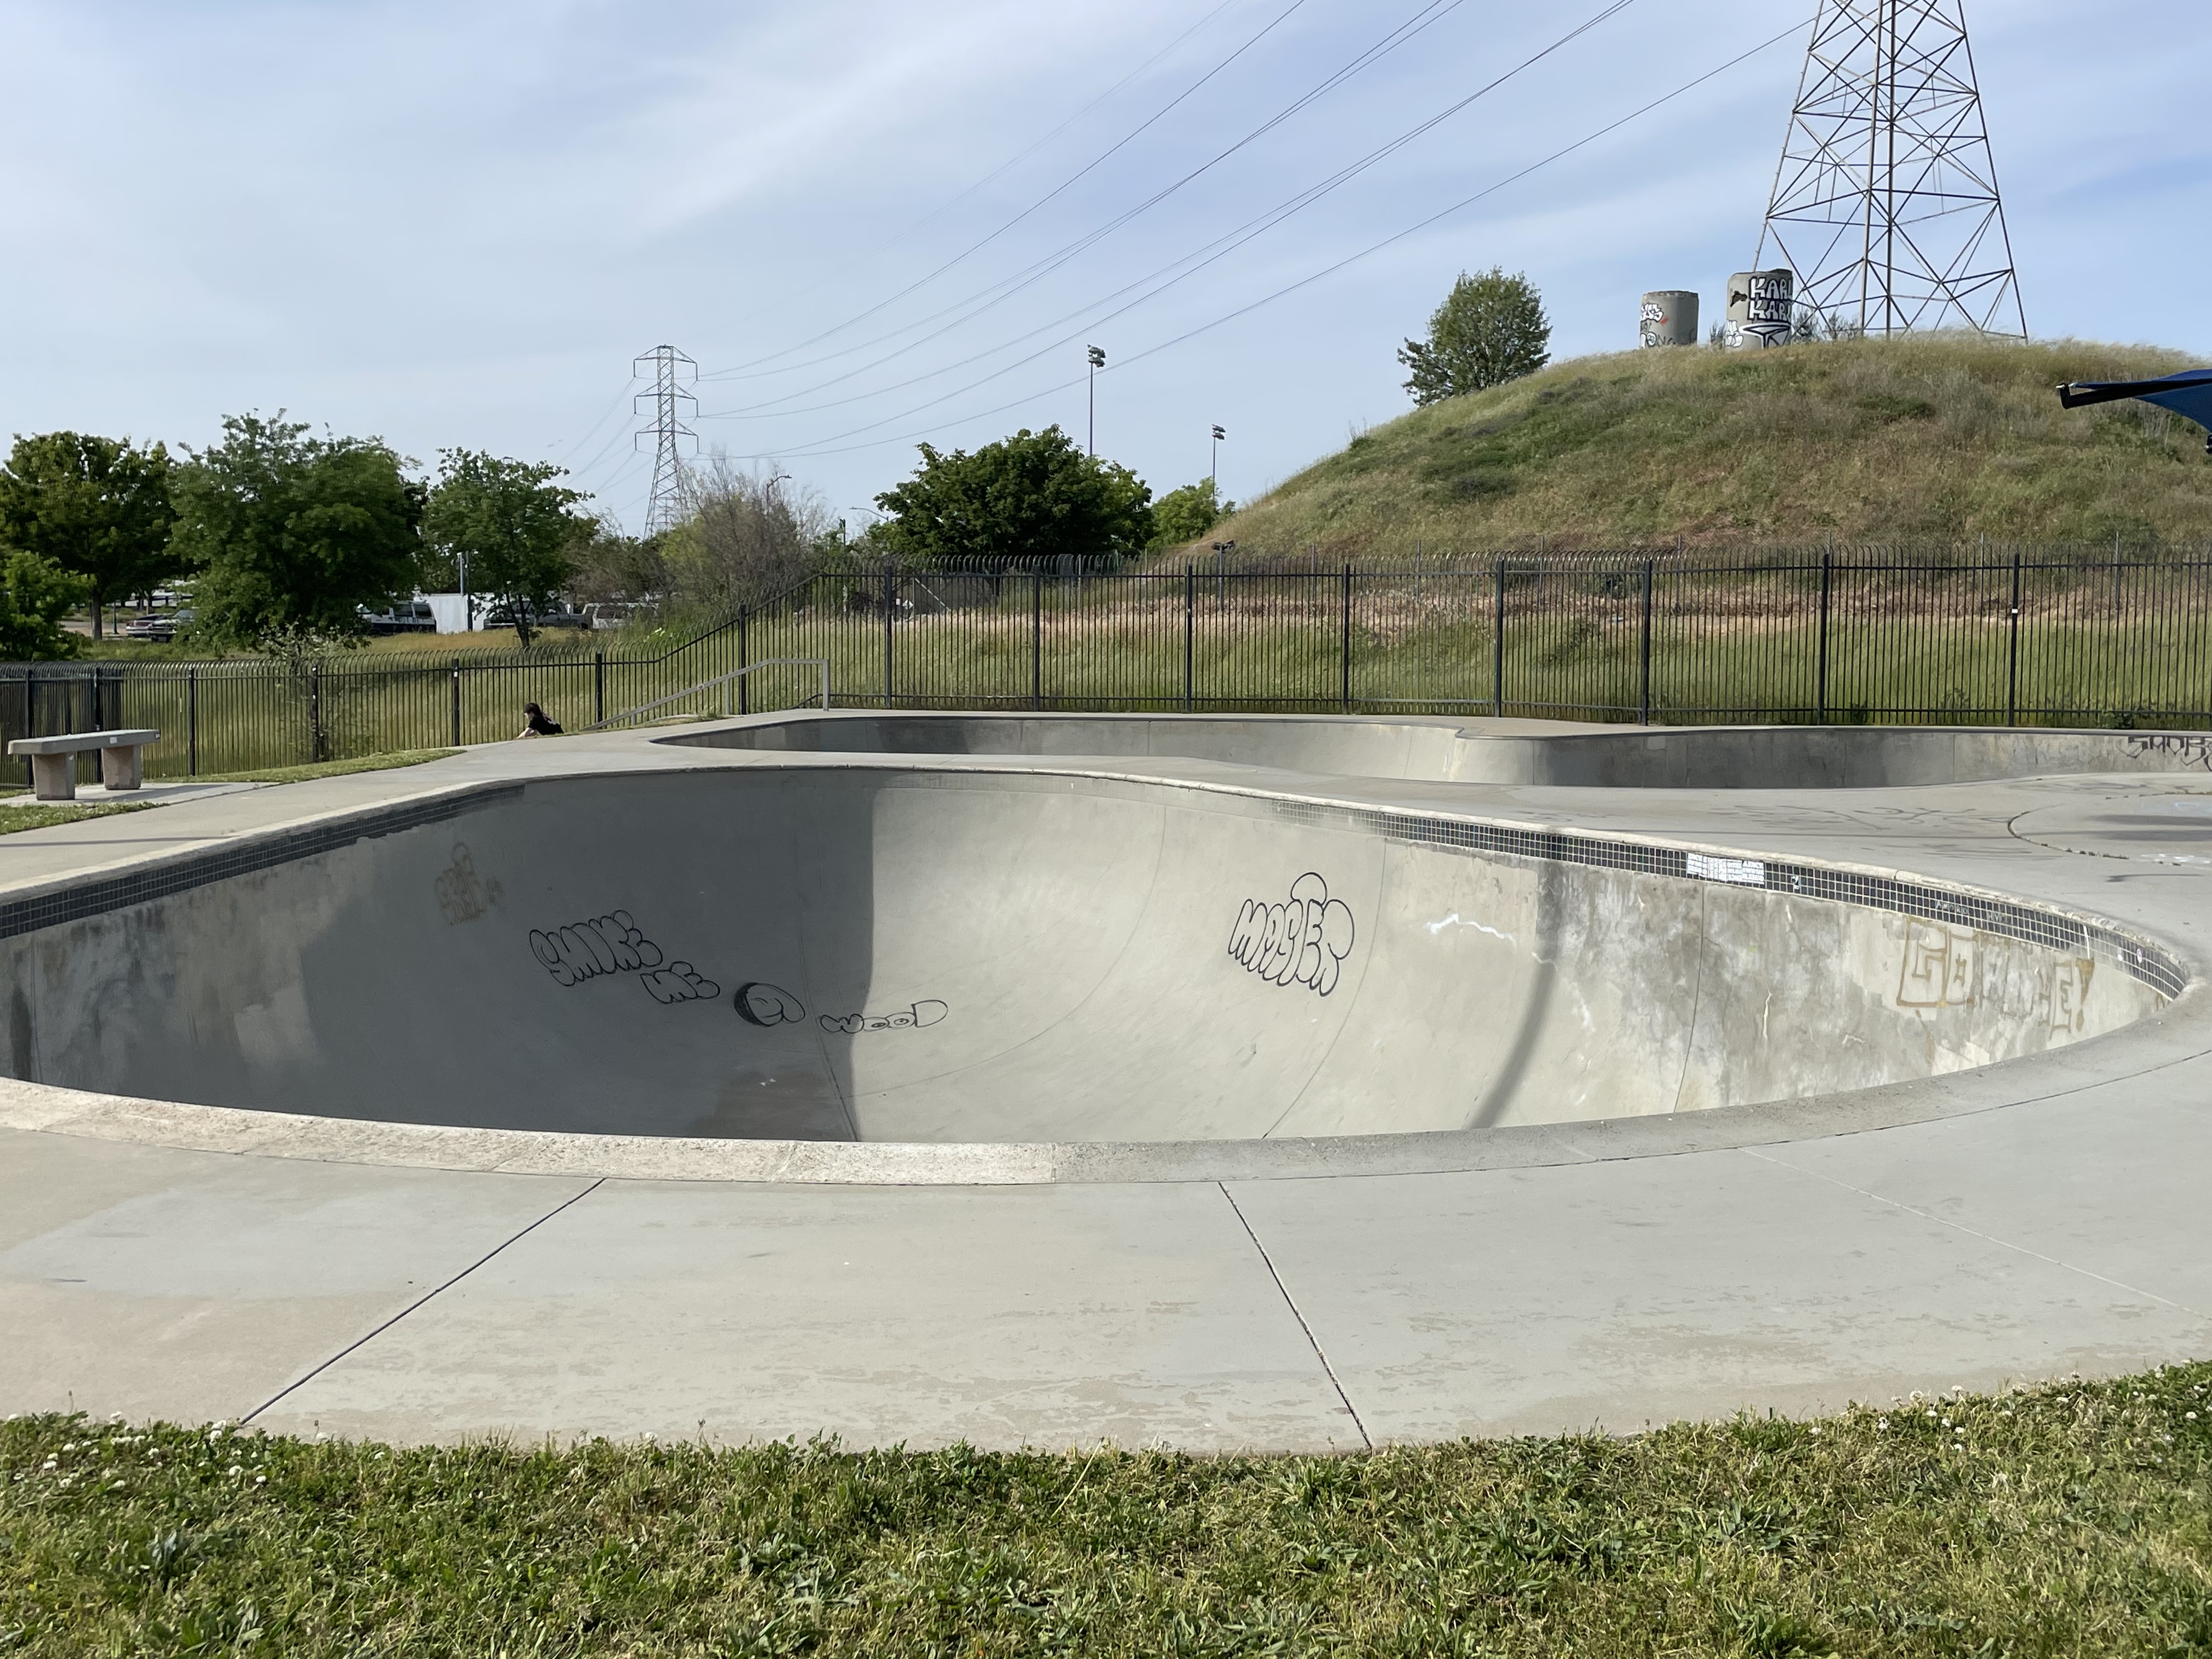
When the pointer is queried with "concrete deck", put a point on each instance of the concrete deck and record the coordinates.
(2038, 1218)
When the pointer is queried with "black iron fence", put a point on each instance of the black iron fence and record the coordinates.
(1977, 638)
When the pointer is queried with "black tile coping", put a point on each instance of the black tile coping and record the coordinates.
(80, 900)
(2050, 929)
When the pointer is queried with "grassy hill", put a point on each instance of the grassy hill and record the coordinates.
(1936, 438)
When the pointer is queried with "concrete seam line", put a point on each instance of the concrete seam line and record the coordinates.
(367, 1337)
(1974, 1233)
(1290, 1302)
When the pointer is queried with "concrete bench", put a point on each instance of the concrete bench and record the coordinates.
(53, 760)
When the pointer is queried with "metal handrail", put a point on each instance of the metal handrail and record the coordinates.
(724, 680)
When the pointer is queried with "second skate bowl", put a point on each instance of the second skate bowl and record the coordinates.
(869, 950)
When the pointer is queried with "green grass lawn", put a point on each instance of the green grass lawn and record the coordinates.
(14, 819)
(2066, 1520)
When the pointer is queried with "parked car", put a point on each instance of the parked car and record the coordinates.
(502, 615)
(160, 631)
(413, 616)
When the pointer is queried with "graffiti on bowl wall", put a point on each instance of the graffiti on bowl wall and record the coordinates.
(463, 896)
(588, 950)
(679, 981)
(1302, 941)
(1939, 966)
(2188, 749)
(912, 1018)
(759, 1003)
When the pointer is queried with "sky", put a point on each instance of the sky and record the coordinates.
(873, 225)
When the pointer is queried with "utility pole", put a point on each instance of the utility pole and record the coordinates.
(669, 368)
(1885, 202)
(1215, 475)
(1097, 362)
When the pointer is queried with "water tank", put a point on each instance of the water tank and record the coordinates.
(1670, 318)
(1761, 306)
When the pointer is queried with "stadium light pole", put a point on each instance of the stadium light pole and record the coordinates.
(1097, 362)
(1218, 434)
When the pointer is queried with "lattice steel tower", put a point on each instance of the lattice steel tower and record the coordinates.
(1885, 203)
(669, 368)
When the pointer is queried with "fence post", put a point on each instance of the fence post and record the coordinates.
(598, 686)
(1644, 699)
(30, 714)
(191, 722)
(1820, 655)
(314, 712)
(744, 661)
(1346, 656)
(2012, 666)
(1036, 639)
(890, 599)
(456, 700)
(1189, 626)
(1498, 646)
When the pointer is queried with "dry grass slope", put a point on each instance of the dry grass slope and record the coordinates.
(1936, 438)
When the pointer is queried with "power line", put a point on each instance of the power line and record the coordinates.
(1224, 247)
(1066, 183)
(1583, 143)
(1014, 162)
(987, 298)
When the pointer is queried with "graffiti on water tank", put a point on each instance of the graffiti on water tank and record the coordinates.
(1302, 941)
(463, 896)
(912, 1019)
(759, 1003)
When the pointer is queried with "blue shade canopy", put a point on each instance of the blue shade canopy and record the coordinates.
(2188, 393)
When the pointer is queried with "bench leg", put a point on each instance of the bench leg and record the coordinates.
(121, 768)
(53, 777)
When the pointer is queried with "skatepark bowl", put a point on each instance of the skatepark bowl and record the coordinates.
(889, 955)
(976, 951)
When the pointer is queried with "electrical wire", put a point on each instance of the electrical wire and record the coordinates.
(1224, 247)
(809, 450)
(1066, 183)
(987, 299)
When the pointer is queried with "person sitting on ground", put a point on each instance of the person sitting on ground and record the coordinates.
(535, 725)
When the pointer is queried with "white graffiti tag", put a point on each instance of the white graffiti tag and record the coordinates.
(1302, 942)
(584, 950)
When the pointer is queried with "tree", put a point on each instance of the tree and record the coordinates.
(35, 594)
(1032, 496)
(295, 537)
(510, 525)
(95, 507)
(1183, 515)
(1490, 329)
(745, 537)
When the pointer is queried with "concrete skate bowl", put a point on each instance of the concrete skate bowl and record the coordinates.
(822, 954)
(1547, 753)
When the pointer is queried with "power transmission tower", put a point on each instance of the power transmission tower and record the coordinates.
(1885, 202)
(669, 368)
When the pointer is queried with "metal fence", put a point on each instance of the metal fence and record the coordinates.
(2012, 638)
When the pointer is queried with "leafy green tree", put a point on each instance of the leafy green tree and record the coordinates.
(1183, 515)
(95, 507)
(295, 536)
(1033, 497)
(511, 527)
(1490, 329)
(35, 594)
